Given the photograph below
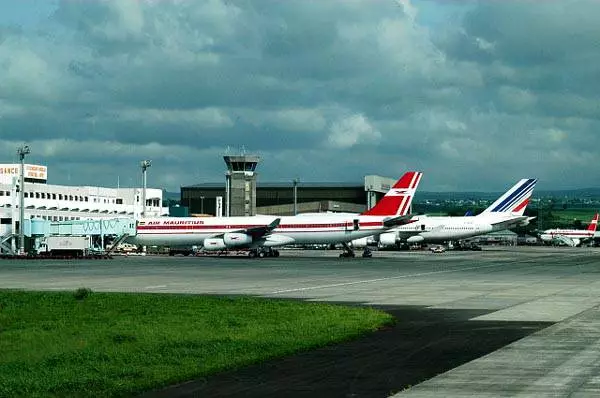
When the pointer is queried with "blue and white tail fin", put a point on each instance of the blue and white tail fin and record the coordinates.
(515, 200)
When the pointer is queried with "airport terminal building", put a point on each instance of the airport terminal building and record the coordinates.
(66, 203)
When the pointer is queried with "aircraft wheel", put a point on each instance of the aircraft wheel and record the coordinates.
(262, 254)
(251, 254)
(275, 253)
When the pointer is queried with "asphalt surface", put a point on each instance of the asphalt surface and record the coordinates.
(502, 322)
(423, 344)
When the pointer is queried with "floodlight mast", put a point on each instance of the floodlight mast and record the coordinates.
(144, 164)
(295, 182)
(22, 151)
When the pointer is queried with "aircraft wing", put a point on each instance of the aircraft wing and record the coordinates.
(400, 220)
(510, 223)
(255, 232)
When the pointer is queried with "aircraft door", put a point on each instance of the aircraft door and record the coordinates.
(356, 224)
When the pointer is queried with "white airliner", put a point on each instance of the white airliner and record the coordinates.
(506, 212)
(571, 237)
(260, 234)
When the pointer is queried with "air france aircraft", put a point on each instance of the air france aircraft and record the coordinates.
(260, 234)
(506, 212)
(571, 237)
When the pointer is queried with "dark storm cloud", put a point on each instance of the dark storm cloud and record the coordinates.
(483, 94)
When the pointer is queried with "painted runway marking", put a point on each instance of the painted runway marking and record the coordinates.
(302, 289)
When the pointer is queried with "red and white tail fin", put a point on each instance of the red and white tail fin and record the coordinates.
(398, 199)
(593, 224)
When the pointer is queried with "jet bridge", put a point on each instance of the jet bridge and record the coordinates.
(39, 230)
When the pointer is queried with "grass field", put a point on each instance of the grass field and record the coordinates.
(113, 344)
(584, 215)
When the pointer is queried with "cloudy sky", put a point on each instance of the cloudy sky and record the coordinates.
(474, 94)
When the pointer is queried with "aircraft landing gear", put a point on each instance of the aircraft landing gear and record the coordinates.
(348, 252)
(263, 252)
(367, 252)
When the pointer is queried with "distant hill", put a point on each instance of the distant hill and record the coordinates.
(583, 193)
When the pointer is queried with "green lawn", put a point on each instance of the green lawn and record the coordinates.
(584, 215)
(109, 344)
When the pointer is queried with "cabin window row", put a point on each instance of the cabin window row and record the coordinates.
(74, 198)
(56, 218)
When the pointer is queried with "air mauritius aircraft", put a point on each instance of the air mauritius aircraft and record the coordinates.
(571, 237)
(506, 212)
(260, 234)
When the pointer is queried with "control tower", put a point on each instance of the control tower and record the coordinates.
(240, 185)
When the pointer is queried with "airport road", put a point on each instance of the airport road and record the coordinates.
(550, 294)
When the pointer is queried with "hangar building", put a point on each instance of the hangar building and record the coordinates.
(277, 198)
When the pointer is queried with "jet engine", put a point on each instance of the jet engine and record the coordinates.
(214, 244)
(388, 239)
(236, 239)
(360, 243)
(415, 239)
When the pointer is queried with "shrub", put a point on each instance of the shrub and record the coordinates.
(82, 293)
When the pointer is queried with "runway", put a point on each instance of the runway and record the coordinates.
(534, 311)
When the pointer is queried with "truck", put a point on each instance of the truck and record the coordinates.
(65, 246)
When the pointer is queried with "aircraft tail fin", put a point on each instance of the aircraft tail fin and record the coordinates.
(515, 200)
(398, 199)
(593, 224)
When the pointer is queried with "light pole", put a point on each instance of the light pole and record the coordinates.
(22, 151)
(295, 181)
(144, 164)
(201, 204)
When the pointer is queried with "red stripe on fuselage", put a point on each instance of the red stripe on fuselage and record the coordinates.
(241, 226)
(171, 232)
(582, 234)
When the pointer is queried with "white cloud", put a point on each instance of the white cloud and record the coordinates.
(120, 80)
(201, 118)
(351, 131)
